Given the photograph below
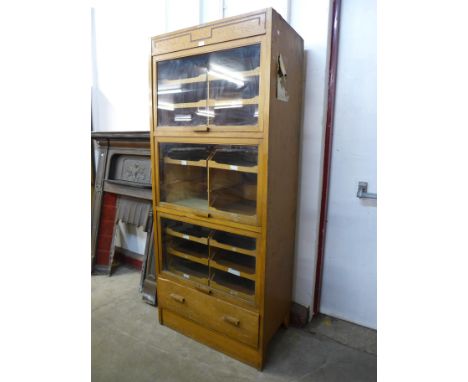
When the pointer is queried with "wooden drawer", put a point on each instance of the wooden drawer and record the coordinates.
(252, 24)
(233, 321)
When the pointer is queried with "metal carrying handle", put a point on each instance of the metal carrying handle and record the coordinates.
(362, 192)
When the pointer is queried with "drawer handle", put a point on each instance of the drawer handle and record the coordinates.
(203, 289)
(201, 129)
(231, 320)
(202, 214)
(177, 297)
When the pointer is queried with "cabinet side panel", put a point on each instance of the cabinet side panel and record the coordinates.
(283, 142)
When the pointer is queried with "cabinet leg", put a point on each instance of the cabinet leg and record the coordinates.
(260, 361)
(160, 316)
(286, 320)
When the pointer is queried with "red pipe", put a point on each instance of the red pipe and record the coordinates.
(332, 70)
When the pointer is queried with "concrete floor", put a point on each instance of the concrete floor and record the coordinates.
(128, 344)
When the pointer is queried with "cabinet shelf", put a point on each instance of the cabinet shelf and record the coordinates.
(198, 204)
(232, 285)
(189, 247)
(232, 103)
(187, 235)
(192, 256)
(187, 156)
(231, 204)
(235, 264)
(183, 162)
(232, 167)
(234, 243)
(211, 103)
(211, 77)
(188, 270)
(234, 159)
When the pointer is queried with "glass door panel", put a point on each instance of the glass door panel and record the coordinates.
(223, 261)
(235, 243)
(232, 284)
(234, 86)
(213, 89)
(183, 175)
(233, 183)
(234, 263)
(182, 91)
(211, 180)
(185, 250)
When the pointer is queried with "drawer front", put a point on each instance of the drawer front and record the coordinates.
(251, 25)
(233, 321)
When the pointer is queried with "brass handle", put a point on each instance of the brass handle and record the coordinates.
(203, 289)
(202, 214)
(201, 129)
(231, 320)
(177, 297)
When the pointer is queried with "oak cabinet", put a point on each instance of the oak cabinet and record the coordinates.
(225, 122)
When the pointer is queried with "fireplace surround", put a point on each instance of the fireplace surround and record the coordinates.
(122, 193)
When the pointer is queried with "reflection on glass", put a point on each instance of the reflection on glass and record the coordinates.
(219, 88)
(186, 170)
(234, 86)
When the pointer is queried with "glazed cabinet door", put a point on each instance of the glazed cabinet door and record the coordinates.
(218, 181)
(215, 91)
(214, 261)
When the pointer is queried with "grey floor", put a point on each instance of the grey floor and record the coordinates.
(128, 344)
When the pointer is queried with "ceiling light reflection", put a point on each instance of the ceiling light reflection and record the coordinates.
(226, 74)
(165, 105)
(169, 91)
(205, 113)
(228, 104)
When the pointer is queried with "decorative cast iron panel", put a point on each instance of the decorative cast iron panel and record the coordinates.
(136, 169)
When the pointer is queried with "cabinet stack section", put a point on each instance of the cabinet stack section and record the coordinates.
(221, 137)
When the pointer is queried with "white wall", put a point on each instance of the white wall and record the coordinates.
(120, 90)
(311, 20)
(349, 288)
(120, 64)
(121, 40)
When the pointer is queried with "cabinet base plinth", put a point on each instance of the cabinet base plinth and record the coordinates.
(215, 340)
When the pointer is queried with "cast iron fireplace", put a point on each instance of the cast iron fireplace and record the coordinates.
(122, 193)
